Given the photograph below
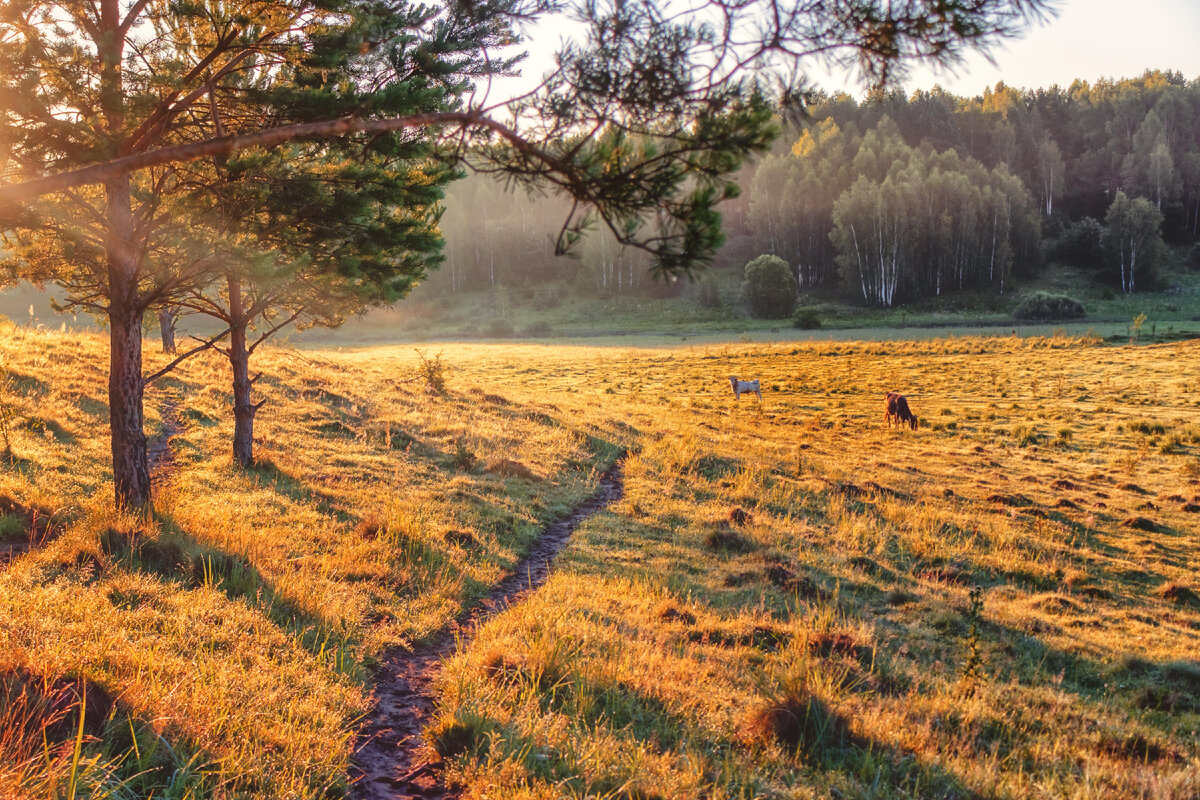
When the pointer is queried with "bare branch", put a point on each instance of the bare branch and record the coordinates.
(273, 330)
(146, 381)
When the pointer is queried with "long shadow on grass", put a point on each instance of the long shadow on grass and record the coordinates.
(269, 474)
(175, 555)
(723, 564)
(812, 737)
(121, 751)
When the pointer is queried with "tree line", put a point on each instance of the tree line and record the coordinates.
(901, 196)
(905, 196)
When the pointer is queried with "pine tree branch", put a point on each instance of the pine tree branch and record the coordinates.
(227, 145)
(131, 17)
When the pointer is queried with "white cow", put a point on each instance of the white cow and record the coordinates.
(744, 386)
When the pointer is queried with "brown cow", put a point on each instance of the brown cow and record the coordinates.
(897, 410)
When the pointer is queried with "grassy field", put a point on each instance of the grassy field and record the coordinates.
(791, 600)
(1001, 604)
(563, 311)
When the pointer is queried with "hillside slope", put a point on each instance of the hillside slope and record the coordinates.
(238, 623)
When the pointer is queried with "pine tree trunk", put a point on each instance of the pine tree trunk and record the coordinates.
(239, 360)
(131, 468)
(166, 327)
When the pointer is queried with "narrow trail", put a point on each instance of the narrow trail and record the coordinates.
(387, 764)
(158, 450)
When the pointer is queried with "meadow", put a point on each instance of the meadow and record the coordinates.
(790, 600)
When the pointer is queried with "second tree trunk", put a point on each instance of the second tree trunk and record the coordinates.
(239, 360)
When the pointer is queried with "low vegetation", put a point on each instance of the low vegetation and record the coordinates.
(1043, 306)
(790, 600)
(231, 634)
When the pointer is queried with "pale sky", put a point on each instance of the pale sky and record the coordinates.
(1088, 39)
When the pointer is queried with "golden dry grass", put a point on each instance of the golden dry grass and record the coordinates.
(827, 641)
(239, 621)
(830, 642)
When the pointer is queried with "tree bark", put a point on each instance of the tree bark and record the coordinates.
(239, 360)
(131, 468)
(166, 326)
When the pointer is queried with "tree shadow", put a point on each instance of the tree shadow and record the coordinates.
(807, 731)
(177, 556)
(46, 715)
(270, 475)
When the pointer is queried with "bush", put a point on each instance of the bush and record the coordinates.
(538, 330)
(769, 287)
(432, 371)
(1081, 244)
(499, 329)
(806, 319)
(1042, 306)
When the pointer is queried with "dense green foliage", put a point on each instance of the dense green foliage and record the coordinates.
(1042, 306)
(769, 288)
(1132, 234)
(941, 193)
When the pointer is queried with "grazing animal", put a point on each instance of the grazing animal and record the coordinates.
(744, 386)
(898, 411)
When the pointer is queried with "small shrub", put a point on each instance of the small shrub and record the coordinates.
(1027, 436)
(464, 458)
(1042, 306)
(432, 371)
(794, 713)
(1172, 446)
(806, 319)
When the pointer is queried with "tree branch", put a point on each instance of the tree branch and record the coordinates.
(227, 145)
(272, 331)
(202, 346)
(131, 17)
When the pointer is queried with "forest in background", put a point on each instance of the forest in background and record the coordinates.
(897, 198)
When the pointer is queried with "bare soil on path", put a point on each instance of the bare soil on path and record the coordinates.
(389, 762)
(159, 451)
